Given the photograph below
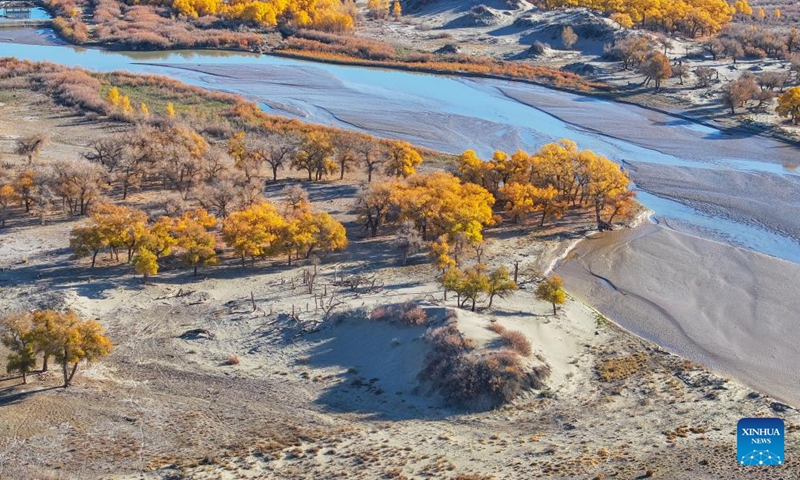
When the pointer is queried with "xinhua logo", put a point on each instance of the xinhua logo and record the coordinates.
(759, 441)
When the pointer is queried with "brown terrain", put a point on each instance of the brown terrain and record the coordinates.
(327, 392)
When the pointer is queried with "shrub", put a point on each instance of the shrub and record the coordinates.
(232, 360)
(471, 380)
(496, 328)
(407, 313)
(414, 316)
(517, 341)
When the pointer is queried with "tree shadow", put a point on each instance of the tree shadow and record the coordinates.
(11, 395)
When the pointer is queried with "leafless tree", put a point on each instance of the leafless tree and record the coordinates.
(30, 146)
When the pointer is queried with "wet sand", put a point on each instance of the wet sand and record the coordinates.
(28, 36)
(731, 309)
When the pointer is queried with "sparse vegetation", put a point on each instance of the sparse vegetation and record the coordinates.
(621, 367)
(475, 380)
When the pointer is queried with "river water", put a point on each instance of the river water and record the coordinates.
(703, 184)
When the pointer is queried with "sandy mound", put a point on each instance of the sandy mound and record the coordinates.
(480, 16)
(586, 24)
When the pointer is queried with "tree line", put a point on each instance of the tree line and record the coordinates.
(257, 231)
(691, 17)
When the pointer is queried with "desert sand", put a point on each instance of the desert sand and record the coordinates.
(732, 309)
(328, 396)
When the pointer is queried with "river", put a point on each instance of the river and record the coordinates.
(703, 184)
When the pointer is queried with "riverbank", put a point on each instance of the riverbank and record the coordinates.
(729, 308)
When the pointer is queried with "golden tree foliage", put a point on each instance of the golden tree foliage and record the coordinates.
(438, 203)
(789, 104)
(440, 254)
(17, 337)
(403, 159)
(63, 335)
(145, 262)
(550, 290)
(743, 7)
(556, 176)
(254, 231)
(261, 231)
(378, 8)
(328, 15)
(693, 17)
(397, 10)
(193, 238)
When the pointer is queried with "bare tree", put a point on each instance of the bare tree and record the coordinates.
(30, 146)
(218, 195)
(345, 145)
(704, 76)
(568, 37)
(409, 241)
(372, 155)
(680, 71)
(279, 154)
(737, 93)
(106, 151)
(78, 182)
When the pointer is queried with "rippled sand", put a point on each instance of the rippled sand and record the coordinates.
(732, 309)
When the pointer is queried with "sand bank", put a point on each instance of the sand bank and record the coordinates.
(732, 309)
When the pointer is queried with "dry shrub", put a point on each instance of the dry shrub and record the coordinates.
(232, 360)
(346, 45)
(406, 313)
(621, 367)
(496, 328)
(477, 66)
(414, 316)
(517, 341)
(379, 313)
(475, 381)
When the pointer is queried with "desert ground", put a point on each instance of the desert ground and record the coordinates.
(322, 390)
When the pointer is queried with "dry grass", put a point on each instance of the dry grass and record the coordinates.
(621, 367)
(518, 342)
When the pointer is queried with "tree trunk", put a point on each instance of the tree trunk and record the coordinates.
(341, 172)
(274, 173)
(64, 368)
(554, 309)
(45, 362)
(369, 174)
(94, 257)
(24, 377)
(72, 373)
(195, 270)
(491, 299)
(597, 213)
(473, 304)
